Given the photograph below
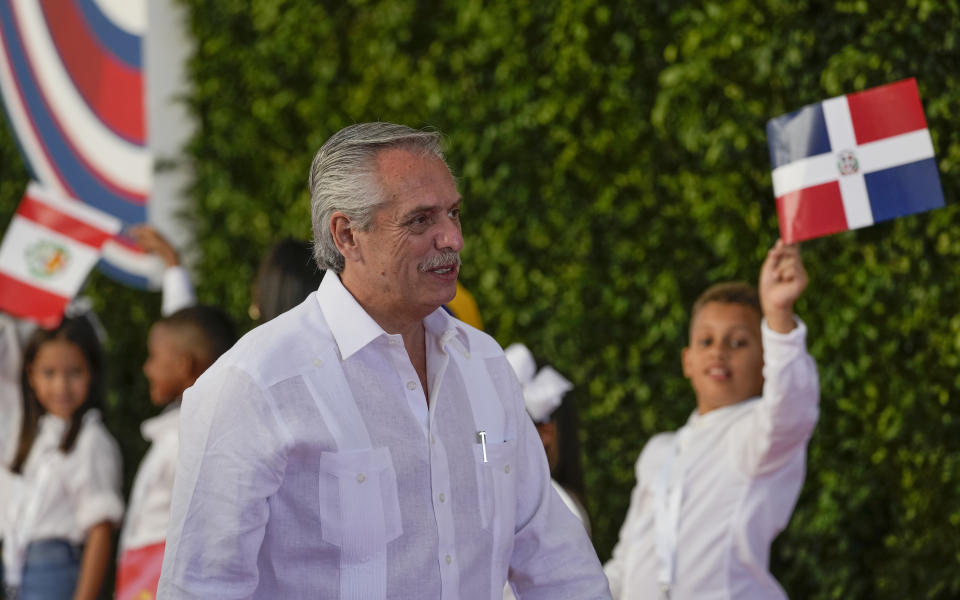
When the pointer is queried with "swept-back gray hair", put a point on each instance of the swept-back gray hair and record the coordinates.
(343, 177)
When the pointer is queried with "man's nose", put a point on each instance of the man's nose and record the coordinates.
(450, 237)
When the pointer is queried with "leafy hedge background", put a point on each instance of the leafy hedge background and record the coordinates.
(613, 160)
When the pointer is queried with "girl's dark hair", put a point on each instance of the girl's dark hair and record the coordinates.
(569, 469)
(79, 332)
(286, 277)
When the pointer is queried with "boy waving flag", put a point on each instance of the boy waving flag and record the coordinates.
(852, 161)
(47, 252)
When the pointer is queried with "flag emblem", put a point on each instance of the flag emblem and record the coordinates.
(852, 161)
(46, 259)
(847, 161)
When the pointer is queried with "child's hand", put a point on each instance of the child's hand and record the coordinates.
(782, 280)
(152, 241)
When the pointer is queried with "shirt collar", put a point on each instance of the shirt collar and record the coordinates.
(440, 325)
(168, 420)
(353, 328)
(718, 415)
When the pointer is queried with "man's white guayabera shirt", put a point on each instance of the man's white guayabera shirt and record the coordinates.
(311, 467)
(711, 497)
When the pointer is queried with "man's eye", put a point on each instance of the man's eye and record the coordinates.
(738, 343)
(455, 214)
(705, 342)
(419, 220)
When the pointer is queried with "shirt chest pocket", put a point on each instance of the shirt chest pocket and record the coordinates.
(496, 487)
(359, 506)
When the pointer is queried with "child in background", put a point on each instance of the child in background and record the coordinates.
(711, 497)
(543, 393)
(287, 275)
(61, 494)
(180, 348)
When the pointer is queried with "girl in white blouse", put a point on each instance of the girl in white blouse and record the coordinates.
(60, 495)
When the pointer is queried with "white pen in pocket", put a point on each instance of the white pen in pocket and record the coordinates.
(482, 439)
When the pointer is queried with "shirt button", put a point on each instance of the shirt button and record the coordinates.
(506, 469)
(443, 498)
(317, 362)
(361, 478)
(433, 440)
(448, 558)
(411, 385)
(467, 354)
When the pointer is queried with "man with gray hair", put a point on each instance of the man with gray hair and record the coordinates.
(365, 444)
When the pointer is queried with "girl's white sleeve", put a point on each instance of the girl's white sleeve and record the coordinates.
(96, 481)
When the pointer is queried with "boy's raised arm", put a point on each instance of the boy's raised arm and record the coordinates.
(789, 409)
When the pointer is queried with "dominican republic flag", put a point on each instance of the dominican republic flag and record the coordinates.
(852, 161)
(47, 252)
(72, 88)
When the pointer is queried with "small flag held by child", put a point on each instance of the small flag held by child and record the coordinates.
(852, 161)
(47, 252)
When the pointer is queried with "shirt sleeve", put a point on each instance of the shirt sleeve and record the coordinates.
(231, 460)
(784, 418)
(96, 480)
(614, 568)
(637, 524)
(177, 290)
(553, 559)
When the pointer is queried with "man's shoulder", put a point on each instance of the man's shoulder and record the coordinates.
(281, 347)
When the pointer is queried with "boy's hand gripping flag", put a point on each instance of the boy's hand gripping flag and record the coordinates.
(852, 161)
(47, 252)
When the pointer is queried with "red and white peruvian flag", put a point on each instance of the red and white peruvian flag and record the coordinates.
(47, 252)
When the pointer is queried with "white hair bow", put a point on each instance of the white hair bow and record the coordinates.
(543, 390)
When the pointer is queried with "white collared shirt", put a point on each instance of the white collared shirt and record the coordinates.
(60, 496)
(742, 468)
(311, 466)
(149, 508)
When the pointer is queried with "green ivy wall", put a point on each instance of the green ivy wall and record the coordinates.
(613, 161)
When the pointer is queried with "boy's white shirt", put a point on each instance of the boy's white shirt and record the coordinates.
(742, 470)
(60, 496)
(149, 508)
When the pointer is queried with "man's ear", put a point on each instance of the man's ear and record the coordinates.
(345, 236)
(683, 360)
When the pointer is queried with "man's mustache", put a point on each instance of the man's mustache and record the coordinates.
(448, 258)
